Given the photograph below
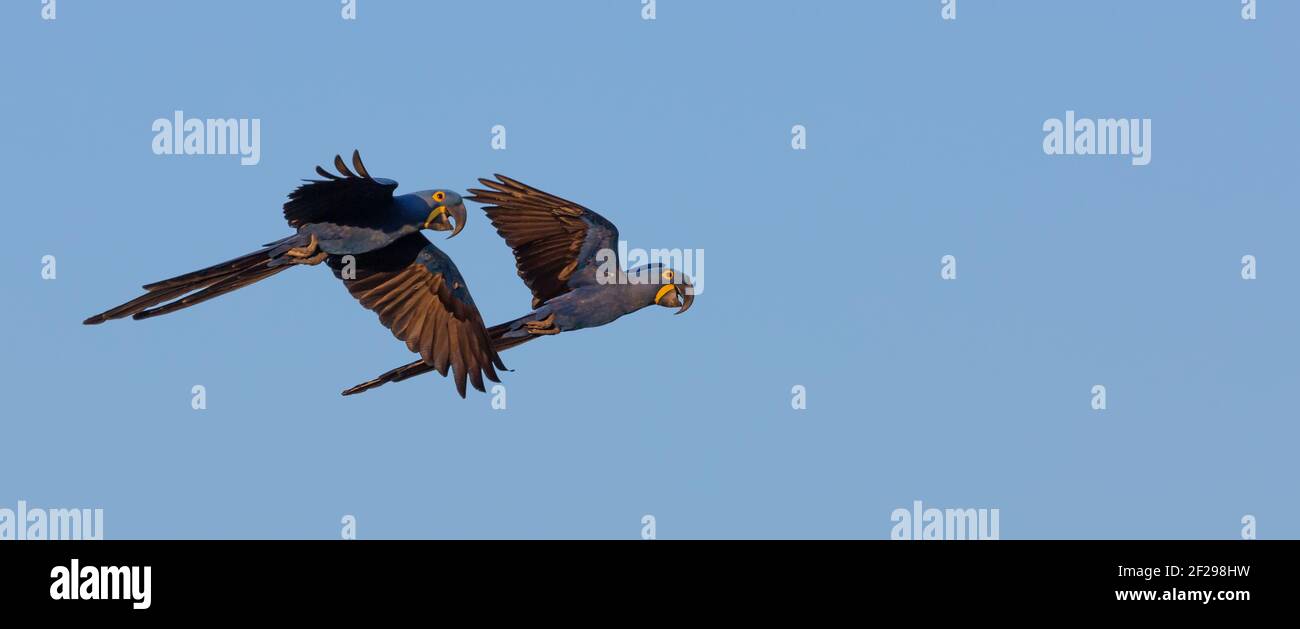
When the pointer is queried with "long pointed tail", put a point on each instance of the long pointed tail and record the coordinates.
(504, 337)
(393, 375)
(515, 333)
(199, 286)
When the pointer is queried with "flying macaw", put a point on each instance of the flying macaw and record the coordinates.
(372, 241)
(557, 246)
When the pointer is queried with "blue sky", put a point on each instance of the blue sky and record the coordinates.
(924, 139)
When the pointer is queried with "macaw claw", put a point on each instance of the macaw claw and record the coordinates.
(543, 327)
(307, 251)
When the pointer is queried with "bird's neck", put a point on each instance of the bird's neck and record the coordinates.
(633, 297)
(411, 210)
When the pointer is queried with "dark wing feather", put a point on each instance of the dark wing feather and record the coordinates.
(555, 241)
(420, 296)
(346, 198)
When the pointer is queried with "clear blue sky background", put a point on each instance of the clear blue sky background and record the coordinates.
(822, 268)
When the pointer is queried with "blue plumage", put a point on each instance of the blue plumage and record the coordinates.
(567, 256)
(371, 240)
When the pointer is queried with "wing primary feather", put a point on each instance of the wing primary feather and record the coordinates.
(457, 360)
(342, 167)
(356, 163)
(420, 297)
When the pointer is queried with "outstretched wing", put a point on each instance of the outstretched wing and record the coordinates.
(347, 198)
(419, 295)
(555, 241)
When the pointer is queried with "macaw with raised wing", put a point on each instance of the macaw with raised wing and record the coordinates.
(371, 240)
(567, 256)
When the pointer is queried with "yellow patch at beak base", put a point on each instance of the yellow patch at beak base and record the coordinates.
(441, 209)
(663, 291)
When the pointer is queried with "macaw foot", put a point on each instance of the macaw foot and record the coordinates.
(306, 251)
(309, 254)
(316, 259)
(541, 328)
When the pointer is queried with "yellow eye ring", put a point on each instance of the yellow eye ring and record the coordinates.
(439, 196)
(668, 275)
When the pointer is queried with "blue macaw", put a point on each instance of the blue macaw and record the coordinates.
(372, 241)
(558, 249)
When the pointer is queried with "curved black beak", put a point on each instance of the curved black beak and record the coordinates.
(685, 292)
(458, 213)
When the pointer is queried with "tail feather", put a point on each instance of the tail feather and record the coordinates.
(226, 285)
(136, 305)
(268, 251)
(201, 285)
(393, 375)
(500, 342)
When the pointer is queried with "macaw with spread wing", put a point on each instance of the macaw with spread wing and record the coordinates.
(557, 246)
(372, 241)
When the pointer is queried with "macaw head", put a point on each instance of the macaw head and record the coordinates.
(665, 287)
(444, 205)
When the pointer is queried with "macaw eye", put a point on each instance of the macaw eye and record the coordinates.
(439, 196)
(668, 275)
